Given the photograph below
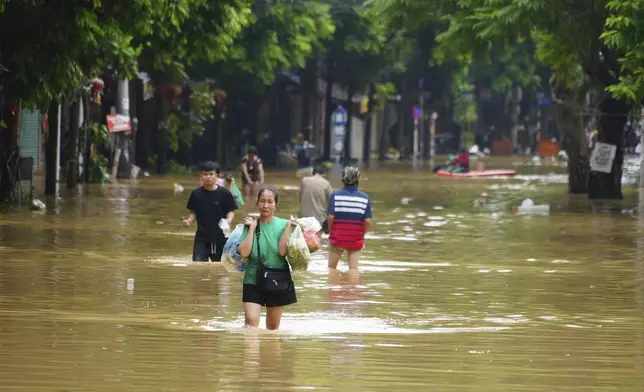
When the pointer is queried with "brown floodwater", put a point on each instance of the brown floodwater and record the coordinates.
(457, 293)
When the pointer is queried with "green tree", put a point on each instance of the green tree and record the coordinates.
(624, 32)
(282, 36)
(573, 30)
(361, 53)
(57, 49)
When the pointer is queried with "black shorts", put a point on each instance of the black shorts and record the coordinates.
(204, 251)
(254, 295)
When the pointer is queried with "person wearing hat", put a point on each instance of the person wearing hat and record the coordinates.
(349, 219)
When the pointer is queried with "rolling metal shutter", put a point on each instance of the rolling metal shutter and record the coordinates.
(30, 135)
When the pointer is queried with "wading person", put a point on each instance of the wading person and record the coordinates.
(209, 205)
(252, 172)
(315, 193)
(267, 281)
(349, 220)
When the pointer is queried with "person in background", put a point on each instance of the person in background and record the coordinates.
(252, 172)
(264, 240)
(208, 205)
(304, 164)
(315, 193)
(221, 181)
(462, 161)
(229, 183)
(349, 220)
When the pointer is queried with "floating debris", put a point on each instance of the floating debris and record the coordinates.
(38, 205)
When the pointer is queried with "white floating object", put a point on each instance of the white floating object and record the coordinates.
(130, 284)
(178, 188)
(38, 205)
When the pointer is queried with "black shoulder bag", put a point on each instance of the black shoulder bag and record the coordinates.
(271, 280)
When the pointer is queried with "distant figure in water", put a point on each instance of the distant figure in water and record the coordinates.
(252, 172)
(462, 161)
(315, 192)
(349, 219)
(209, 205)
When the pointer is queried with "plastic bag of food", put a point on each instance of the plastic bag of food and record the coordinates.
(230, 258)
(312, 240)
(297, 251)
(310, 223)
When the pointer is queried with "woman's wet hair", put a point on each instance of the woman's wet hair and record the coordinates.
(228, 177)
(268, 189)
(252, 150)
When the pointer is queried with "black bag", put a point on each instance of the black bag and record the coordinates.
(271, 280)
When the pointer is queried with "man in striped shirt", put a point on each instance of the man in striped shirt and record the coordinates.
(349, 219)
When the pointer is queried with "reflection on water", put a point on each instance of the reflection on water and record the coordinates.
(451, 295)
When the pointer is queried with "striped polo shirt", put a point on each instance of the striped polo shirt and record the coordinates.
(351, 208)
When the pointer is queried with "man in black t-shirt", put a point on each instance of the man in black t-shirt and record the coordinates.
(208, 205)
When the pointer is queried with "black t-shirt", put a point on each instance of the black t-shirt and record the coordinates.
(210, 207)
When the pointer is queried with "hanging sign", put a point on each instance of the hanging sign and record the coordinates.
(602, 157)
(118, 123)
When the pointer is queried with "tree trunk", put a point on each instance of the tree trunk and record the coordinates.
(51, 157)
(614, 114)
(349, 129)
(144, 133)
(163, 108)
(309, 92)
(366, 143)
(72, 175)
(330, 80)
(573, 138)
(383, 143)
(93, 113)
(9, 154)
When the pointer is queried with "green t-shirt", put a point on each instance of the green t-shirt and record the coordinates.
(269, 240)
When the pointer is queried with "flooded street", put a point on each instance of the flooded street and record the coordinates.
(457, 293)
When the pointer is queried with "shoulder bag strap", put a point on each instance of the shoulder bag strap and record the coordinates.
(259, 253)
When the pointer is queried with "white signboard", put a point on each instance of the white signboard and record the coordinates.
(602, 157)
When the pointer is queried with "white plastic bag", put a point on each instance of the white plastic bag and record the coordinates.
(297, 251)
(230, 257)
(225, 227)
(310, 223)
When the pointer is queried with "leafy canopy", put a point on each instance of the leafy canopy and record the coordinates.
(56, 49)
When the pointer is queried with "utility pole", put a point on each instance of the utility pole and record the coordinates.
(421, 124)
(432, 136)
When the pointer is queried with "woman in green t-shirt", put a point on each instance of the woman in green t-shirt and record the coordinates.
(274, 233)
